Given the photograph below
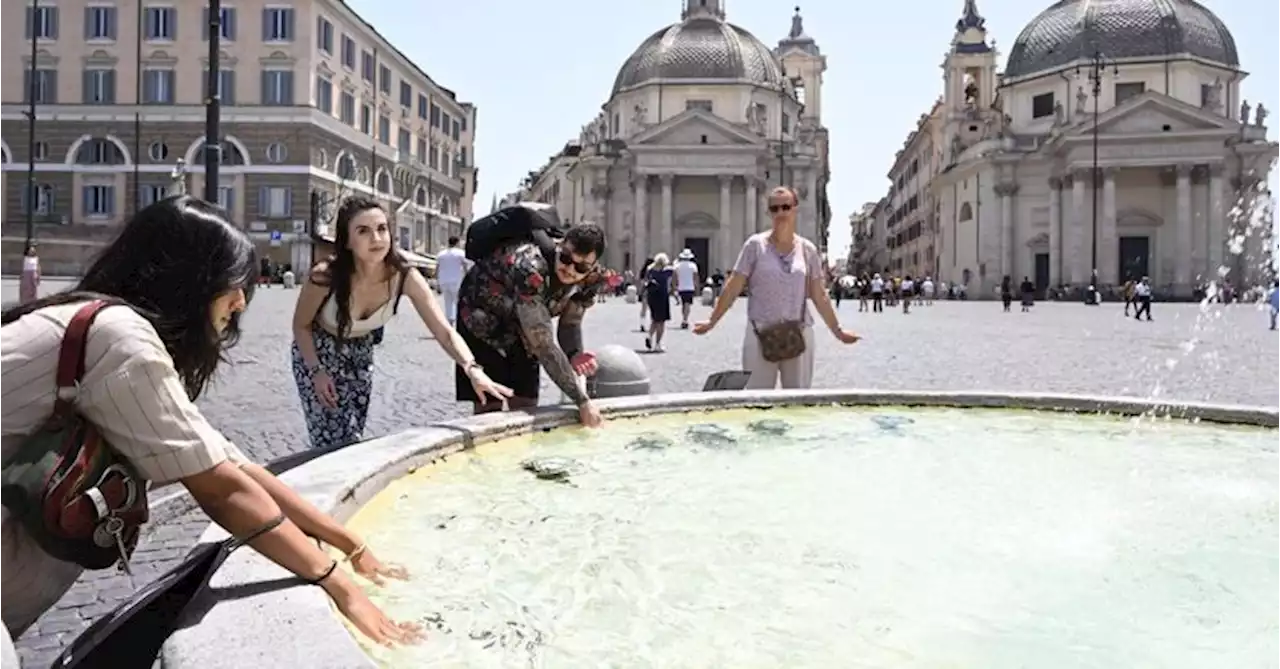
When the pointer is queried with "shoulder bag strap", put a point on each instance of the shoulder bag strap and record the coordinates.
(71, 354)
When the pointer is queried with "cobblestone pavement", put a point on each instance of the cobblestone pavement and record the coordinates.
(1218, 354)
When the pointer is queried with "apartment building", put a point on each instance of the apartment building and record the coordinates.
(316, 105)
(912, 218)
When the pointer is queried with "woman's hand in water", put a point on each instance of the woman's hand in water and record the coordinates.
(369, 566)
(367, 617)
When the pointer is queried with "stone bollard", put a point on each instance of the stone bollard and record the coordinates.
(632, 295)
(708, 297)
(289, 280)
(620, 373)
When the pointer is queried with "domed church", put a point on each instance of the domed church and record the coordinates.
(703, 119)
(1147, 92)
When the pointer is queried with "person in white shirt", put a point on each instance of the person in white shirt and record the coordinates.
(877, 293)
(928, 289)
(907, 289)
(686, 271)
(1142, 291)
(451, 266)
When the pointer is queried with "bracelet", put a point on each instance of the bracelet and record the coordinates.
(318, 369)
(327, 573)
(266, 527)
(355, 554)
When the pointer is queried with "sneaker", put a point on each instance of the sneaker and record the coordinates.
(648, 343)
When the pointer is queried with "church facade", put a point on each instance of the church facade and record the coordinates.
(702, 121)
(1116, 144)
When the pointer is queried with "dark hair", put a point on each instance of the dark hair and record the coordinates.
(586, 238)
(169, 263)
(453, 241)
(336, 271)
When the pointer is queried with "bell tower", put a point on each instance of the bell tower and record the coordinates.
(970, 65)
(803, 63)
(702, 9)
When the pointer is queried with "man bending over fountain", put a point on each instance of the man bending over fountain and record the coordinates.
(508, 300)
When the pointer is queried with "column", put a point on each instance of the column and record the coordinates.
(640, 225)
(1108, 242)
(1182, 266)
(724, 232)
(665, 242)
(1079, 233)
(1217, 232)
(751, 210)
(810, 221)
(1055, 231)
(1007, 191)
(612, 224)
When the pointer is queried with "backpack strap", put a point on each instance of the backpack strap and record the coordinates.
(72, 352)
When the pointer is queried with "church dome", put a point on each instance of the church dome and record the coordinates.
(700, 48)
(1073, 29)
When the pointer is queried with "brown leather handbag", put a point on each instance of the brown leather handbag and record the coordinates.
(784, 340)
(79, 499)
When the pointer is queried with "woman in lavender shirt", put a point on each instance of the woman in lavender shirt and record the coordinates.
(783, 272)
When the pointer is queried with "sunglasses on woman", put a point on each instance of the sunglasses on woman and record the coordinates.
(778, 208)
(566, 258)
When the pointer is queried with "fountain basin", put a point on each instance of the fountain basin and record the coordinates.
(254, 615)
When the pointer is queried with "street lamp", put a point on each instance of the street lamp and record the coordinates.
(33, 87)
(1097, 67)
(213, 105)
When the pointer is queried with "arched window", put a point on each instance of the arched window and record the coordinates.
(346, 167)
(384, 182)
(99, 151)
(966, 212)
(231, 154)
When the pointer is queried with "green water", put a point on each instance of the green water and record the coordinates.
(860, 538)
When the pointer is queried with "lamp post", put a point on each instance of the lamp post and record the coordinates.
(213, 105)
(33, 89)
(1098, 66)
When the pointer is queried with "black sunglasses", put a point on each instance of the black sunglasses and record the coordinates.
(775, 208)
(566, 258)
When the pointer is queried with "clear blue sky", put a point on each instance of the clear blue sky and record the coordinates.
(538, 70)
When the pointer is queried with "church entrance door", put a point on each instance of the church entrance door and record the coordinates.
(701, 247)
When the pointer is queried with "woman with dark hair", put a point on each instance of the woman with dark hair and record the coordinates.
(176, 280)
(348, 297)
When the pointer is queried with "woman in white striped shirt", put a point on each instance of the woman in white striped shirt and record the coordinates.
(181, 274)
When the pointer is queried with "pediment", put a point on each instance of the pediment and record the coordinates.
(1152, 113)
(695, 127)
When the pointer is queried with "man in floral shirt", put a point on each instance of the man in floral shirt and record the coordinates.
(505, 307)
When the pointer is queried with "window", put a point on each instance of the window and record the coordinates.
(150, 194)
(161, 23)
(227, 197)
(157, 86)
(275, 202)
(435, 116)
(422, 149)
(324, 35)
(406, 95)
(423, 106)
(1042, 105)
(457, 129)
(99, 87)
(1129, 89)
(445, 121)
(462, 157)
(226, 85)
(384, 79)
(158, 151)
(277, 88)
(404, 141)
(99, 152)
(367, 65)
(348, 52)
(384, 129)
(44, 20)
(46, 86)
(346, 167)
(277, 152)
(347, 109)
(324, 95)
(42, 151)
(226, 24)
(98, 200)
(704, 105)
(100, 23)
(433, 157)
(366, 119)
(277, 24)
(43, 199)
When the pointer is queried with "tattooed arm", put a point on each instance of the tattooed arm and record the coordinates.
(535, 321)
(569, 328)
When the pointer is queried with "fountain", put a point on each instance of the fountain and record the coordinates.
(792, 528)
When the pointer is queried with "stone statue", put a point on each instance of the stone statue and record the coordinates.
(971, 92)
(1244, 112)
(1059, 115)
(602, 126)
(1082, 101)
(1260, 115)
(179, 178)
(640, 116)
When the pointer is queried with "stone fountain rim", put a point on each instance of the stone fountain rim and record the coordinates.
(254, 614)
